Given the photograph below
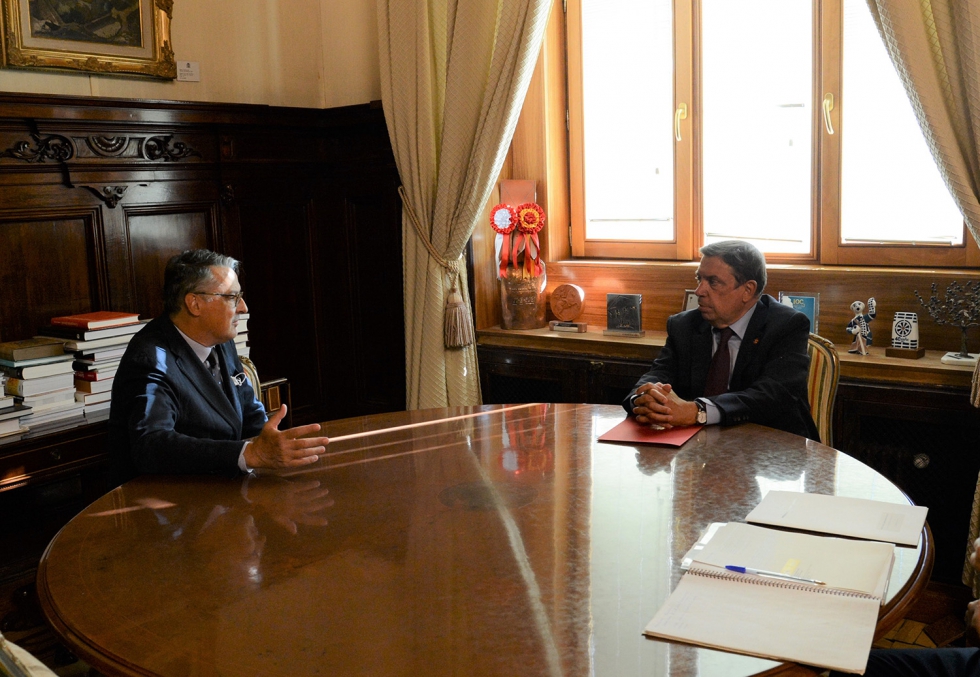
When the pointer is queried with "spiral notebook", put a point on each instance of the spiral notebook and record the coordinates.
(830, 626)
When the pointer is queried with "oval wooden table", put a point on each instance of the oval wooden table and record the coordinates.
(474, 541)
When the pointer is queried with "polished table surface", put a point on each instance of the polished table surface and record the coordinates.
(473, 541)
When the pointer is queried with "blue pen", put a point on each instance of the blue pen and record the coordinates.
(771, 574)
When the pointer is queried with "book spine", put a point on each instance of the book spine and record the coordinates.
(69, 322)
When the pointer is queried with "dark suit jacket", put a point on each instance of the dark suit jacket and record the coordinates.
(769, 382)
(169, 415)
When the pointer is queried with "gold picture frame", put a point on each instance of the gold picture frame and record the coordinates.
(93, 37)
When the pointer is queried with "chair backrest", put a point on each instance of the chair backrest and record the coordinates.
(822, 385)
(252, 373)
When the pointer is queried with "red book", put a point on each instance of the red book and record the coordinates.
(96, 320)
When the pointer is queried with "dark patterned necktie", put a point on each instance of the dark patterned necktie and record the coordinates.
(213, 367)
(720, 368)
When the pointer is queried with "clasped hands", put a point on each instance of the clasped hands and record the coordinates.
(274, 448)
(658, 406)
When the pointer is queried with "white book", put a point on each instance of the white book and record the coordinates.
(855, 517)
(59, 414)
(93, 409)
(77, 346)
(61, 395)
(93, 398)
(772, 616)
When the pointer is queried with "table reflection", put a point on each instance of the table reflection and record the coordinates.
(499, 541)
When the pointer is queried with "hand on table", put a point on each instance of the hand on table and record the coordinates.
(274, 448)
(658, 405)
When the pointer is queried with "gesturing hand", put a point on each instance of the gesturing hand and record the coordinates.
(284, 449)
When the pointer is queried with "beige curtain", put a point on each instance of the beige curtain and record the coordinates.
(453, 78)
(935, 46)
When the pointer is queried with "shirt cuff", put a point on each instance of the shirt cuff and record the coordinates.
(712, 411)
(241, 458)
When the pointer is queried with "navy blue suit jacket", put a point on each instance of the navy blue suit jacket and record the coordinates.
(769, 381)
(169, 415)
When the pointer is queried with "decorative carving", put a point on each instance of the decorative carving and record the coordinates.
(160, 148)
(53, 147)
(168, 7)
(107, 146)
(111, 195)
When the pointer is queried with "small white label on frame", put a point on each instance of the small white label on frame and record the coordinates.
(188, 71)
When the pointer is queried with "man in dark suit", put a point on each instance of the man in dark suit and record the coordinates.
(180, 400)
(740, 356)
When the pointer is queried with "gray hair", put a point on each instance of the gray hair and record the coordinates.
(186, 271)
(746, 261)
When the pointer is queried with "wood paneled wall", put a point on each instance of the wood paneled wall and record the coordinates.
(97, 194)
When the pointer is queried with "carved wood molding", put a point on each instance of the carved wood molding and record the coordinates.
(54, 147)
(111, 195)
(61, 148)
(166, 149)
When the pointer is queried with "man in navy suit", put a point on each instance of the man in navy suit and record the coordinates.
(739, 357)
(180, 400)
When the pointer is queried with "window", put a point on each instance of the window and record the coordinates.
(782, 122)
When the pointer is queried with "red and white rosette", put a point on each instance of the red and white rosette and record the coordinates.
(530, 220)
(503, 220)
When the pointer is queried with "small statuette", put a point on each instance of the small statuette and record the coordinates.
(859, 326)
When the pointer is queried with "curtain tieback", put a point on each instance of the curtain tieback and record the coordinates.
(457, 322)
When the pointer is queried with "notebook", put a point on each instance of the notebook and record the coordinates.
(856, 517)
(830, 626)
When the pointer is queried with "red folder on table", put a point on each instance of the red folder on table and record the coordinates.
(632, 432)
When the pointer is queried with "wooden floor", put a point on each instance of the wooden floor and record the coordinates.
(936, 620)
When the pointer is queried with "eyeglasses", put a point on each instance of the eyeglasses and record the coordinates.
(233, 298)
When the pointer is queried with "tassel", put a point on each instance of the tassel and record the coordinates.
(458, 326)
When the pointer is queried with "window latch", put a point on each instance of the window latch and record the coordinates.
(679, 114)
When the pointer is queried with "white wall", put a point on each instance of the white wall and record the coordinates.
(309, 53)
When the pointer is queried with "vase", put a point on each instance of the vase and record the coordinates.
(523, 299)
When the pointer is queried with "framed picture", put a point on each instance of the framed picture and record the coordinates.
(690, 300)
(806, 303)
(130, 37)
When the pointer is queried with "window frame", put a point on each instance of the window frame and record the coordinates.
(826, 248)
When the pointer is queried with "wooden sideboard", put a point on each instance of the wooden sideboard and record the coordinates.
(909, 419)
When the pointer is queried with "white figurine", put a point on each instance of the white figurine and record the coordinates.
(860, 326)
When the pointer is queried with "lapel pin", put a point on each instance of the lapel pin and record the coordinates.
(755, 342)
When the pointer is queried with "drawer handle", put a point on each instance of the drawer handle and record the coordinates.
(55, 454)
(596, 366)
(921, 461)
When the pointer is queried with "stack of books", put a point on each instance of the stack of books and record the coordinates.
(241, 341)
(11, 413)
(39, 378)
(97, 342)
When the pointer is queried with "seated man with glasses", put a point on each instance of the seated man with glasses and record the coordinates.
(180, 400)
(740, 356)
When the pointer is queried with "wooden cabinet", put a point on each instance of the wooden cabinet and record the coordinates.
(925, 439)
(508, 375)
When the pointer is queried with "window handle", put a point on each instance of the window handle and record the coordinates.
(828, 105)
(679, 114)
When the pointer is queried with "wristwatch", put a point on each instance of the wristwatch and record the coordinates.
(702, 416)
